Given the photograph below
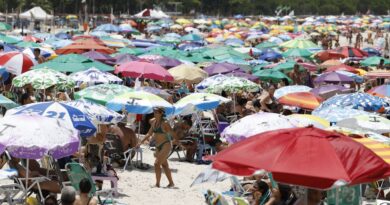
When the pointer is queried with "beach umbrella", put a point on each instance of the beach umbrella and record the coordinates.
(7, 103)
(209, 175)
(374, 61)
(139, 69)
(43, 78)
(83, 45)
(62, 35)
(287, 66)
(297, 52)
(266, 44)
(5, 26)
(102, 93)
(34, 136)
(167, 62)
(99, 114)
(8, 39)
(28, 44)
(357, 78)
(290, 89)
(139, 102)
(328, 89)
(305, 100)
(270, 55)
(361, 101)
(56, 44)
(373, 123)
(94, 76)
(328, 54)
(341, 67)
(299, 43)
(187, 73)
(372, 51)
(242, 75)
(233, 85)
(284, 152)
(335, 114)
(73, 63)
(16, 62)
(196, 102)
(94, 55)
(191, 37)
(58, 110)
(216, 79)
(108, 28)
(271, 75)
(159, 92)
(124, 58)
(330, 63)
(350, 52)
(380, 91)
(45, 52)
(255, 124)
(221, 68)
(306, 120)
(9, 47)
(333, 77)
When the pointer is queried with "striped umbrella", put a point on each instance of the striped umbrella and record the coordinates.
(290, 89)
(102, 93)
(139, 102)
(298, 43)
(93, 76)
(349, 52)
(43, 78)
(16, 62)
(361, 101)
(198, 102)
(306, 100)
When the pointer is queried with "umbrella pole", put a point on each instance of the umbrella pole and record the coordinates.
(27, 170)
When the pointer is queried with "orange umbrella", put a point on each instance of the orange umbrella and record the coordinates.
(84, 45)
(306, 100)
(330, 63)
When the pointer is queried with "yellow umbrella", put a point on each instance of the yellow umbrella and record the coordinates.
(361, 72)
(380, 149)
(71, 17)
(311, 119)
(187, 73)
(182, 21)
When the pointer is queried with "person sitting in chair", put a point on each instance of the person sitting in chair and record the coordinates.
(181, 129)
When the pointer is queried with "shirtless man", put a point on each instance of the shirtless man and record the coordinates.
(127, 135)
(181, 129)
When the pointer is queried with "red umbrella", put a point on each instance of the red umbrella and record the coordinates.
(32, 39)
(309, 157)
(326, 55)
(83, 45)
(16, 62)
(342, 67)
(139, 69)
(349, 52)
(306, 100)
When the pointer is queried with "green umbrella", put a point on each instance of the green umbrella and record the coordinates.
(287, 66)
(27, 44)
(169, 39)
(43, 78)
(102, 93)
(233, 85)
(266, 44)
(73, 63)
(373, 61)
(131, 51)
(191, 37)
(5, 27)
(259, 67)
(222, 53)
(299, 43)
(7, 103)
(8, 39)
(271, 75)
(297, 52)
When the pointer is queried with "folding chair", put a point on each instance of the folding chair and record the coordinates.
(240, 201)
(215, 198)
(77, 172)
(9, 192)
(238, 188)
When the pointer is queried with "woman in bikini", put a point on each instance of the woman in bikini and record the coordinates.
(162, 133)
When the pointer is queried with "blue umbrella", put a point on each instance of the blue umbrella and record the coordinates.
(335, 114)
(72, 115)
(372, 51)
(357, 78)
(59, 43)
(63, 36)
(360, 101)
(270, 55)
(4, 75)
(234, 42)
(44, 36)
(110, 28)
(7, 103)
(10, 47)
(153, 28)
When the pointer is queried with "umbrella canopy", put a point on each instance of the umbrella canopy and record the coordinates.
(361, 101)
(102, 93)
(296, 156)
(73, 63)
(83, 45)
(242, 75)
(333, 77)
(299, 43)
(16, 62)
(167, 62)
(221, 68)
(8, 39)
(97, 56)
(195, 102)
(7, 103)
(381, 91)
(27, 44)
(341, 67)
(124, 58)
(139, 69)
(99, 114)
(33, 136)
(326, 89)
(366, 123)
(271, 75)
(191, 37)
(210, 81)
(108, 28)
(306, 120)
(256, 124)
(328, 54)
(306, 100)
(5, 26)
(209, 175)
(270, 55)
(330, 63)
(297, 52)
(335, 114)
(57, 110)
(43, 78)
(94, 76)
(350, 52)
(187, 73)
(290, 89)
(233, 85)
(374, 61)
(162, 93)
(266, 44)
(139, 102)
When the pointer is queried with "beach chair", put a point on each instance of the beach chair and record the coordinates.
(215, 198)
(238, 189)
(77, 172)
(240, 201)
(10, 193)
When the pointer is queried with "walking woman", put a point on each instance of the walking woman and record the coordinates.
(162, 133)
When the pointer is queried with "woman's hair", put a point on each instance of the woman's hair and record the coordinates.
(285, 191)
(241, 101)
(262, 186)
(24, 97)
(85, 186)
(256, 103)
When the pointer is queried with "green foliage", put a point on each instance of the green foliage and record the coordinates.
(210, 7)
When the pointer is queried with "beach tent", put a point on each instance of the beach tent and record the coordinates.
(36, 13)
(158, 14)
